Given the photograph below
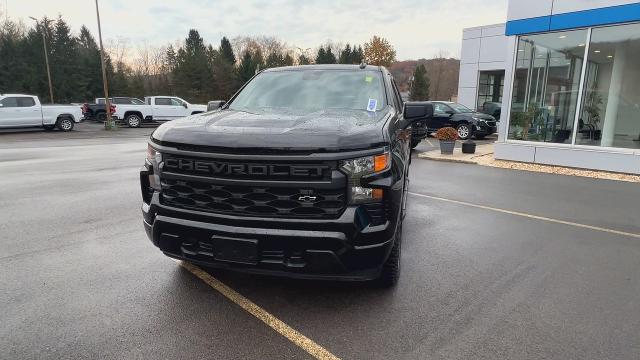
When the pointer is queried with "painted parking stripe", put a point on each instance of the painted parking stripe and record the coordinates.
(276, 324)
(530, 216)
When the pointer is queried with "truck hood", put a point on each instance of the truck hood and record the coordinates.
(328, 130)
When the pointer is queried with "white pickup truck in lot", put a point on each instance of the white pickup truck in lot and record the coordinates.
(133, 112)
(22, 111)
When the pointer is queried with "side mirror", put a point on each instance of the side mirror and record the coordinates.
(417, 110)
(185, 105)
(215, 104)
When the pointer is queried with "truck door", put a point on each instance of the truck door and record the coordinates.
(183, 108)
(163, 108)
(19, 111)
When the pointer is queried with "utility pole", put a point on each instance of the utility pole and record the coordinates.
(43, 28)
(108, 125)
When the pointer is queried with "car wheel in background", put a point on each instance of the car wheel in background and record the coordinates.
(133, 121)
(101, 117)
(464, 131)
(65, 124)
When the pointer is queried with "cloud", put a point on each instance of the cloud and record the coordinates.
(417, 28)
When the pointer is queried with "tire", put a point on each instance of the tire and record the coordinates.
(391, 268)
(133, 120)
(415, 143)
(464, 131)
(101, 117)
(65, 124)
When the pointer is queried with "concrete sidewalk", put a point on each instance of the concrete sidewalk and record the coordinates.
(458, 156)
(484, 156)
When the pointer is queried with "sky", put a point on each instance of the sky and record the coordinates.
(416, 28)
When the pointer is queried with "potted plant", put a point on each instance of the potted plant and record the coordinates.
(447, 137)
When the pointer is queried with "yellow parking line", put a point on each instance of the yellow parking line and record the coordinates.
(530, 216)
(276, 324)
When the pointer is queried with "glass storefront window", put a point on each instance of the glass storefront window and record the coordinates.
(490, 90)
(610, 111)
(546, 85)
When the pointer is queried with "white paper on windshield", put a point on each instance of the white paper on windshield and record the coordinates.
(372, 105)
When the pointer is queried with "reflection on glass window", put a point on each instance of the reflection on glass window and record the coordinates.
(546, 85)
(610, 113)
(490, 89)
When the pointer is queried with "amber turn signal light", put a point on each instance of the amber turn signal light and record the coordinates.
(380, 162)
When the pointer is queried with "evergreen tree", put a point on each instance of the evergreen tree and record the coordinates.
(224, 72)
(420, 85)
(321, 57)
(346, 55)
(288, 60)
(170, 58)
(227, 51)
(275, 59)
(247, 67)
(193, 74)
(90, 66)
(357, 55)
(303, 60)
(64, 64)
(325, 56)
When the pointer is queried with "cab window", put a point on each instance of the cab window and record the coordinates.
(9, 102)
(163, 101)
(176, 102)
(26, 102)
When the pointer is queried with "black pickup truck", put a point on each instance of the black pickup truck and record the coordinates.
(303, 173)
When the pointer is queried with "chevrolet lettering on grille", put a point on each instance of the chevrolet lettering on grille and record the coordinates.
(217, 168)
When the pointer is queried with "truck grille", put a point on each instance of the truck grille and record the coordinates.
(249, 200)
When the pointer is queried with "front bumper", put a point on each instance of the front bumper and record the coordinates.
(484, 130)
(344, 248)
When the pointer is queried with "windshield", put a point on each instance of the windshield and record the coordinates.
(459, 108)
(312, 90)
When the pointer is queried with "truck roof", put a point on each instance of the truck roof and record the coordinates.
(325, 67)
(16, 95)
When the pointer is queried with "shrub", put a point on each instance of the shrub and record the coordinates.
(447, 134)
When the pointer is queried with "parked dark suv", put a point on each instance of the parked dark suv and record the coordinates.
(468, 122)
(303, 173)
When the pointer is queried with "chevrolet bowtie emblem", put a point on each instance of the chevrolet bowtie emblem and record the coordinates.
(307, 198)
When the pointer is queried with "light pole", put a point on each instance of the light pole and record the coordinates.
(108, 125)
(46, 56)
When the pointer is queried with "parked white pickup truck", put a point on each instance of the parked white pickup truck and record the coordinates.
(20, 111)
(133, 112)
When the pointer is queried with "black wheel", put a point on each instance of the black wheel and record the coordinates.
(133, 120)
(49, 127)
(415, 142)
(65, 124)
(391, 268)
(101, 117)
(464, 131)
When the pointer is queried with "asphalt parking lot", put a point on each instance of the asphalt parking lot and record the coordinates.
(497, 264)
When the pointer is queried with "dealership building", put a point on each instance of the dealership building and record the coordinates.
(565, 76)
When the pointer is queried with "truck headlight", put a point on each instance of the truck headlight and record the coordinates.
(154, 157)
(364, 166)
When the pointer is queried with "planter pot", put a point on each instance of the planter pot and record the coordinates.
(446, 146)
(468, 147)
